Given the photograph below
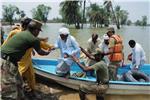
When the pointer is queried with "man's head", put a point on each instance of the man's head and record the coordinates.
(24, 22)
(94, 37)
(132, 43)
(110, 31)
(35, 27)
(16, 26)
(98, 55)
(64, 32)
(106, 39)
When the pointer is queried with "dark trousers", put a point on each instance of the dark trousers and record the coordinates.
(99, 90)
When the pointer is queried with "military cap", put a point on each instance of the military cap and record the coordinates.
(35, 24)
(110, 29)
(25, 20)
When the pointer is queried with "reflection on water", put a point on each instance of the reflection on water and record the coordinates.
(139, 34)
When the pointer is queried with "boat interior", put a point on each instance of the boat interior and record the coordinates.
(49, 66)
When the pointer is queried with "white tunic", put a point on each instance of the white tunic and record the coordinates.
(70, 47)
(138, 56)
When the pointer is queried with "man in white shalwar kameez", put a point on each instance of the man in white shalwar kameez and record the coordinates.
(68, 46)
(137, 56)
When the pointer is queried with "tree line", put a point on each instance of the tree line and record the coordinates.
(76, 13)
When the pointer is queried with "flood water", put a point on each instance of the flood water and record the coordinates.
(139, 34)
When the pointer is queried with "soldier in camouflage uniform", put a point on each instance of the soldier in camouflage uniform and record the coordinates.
(102, 76)
(11, 52)
(11, 81)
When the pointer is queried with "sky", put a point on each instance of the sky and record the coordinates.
(136, 8)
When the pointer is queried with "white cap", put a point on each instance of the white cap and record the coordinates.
(64, 31)
(105, 37)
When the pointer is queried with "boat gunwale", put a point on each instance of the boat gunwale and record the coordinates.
(110, 82)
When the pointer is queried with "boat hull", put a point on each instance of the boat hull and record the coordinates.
(116, 89)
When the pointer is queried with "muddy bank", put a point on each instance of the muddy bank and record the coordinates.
(50, 90)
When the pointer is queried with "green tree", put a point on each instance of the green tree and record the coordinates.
(121, 15)
(22, 14)
(9, 13)
(129, 22)
(41, 12)
(97, 15)
(144, 21)
(70, 11)
(109, 7)
(138, 23)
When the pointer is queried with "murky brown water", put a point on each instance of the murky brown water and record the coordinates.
(139, 34)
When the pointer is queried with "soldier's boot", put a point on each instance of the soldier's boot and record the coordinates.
(99, 98)
(82, 95)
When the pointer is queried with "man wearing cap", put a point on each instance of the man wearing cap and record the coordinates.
(25, 64)
(16, 29)
(68, 46)
(104, 48)
(12, 52)
(102, 76)
(93, 44)
(115, 52)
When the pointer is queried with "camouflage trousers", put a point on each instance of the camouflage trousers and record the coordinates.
(99, 90)
(112, 72)
(11, 82)
(113, 68)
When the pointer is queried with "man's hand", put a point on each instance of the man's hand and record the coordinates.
(66, 55)
(136, 68)
(75, 59)
(51, 47)
(92, 57)
(129, 57)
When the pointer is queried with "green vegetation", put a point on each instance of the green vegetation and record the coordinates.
(76, 13)
(41, 12)
(143, 22)
(129, 22)
(109, 7)
(9, 12)
(121, 15)
(97, 15)
(70, 11)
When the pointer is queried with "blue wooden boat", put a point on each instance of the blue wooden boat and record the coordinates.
(46, 68)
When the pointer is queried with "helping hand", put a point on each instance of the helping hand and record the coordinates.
(75, 59)
(129, 57)
(136, 68)
(66, 55)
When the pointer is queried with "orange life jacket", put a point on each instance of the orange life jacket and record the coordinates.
(117, 49)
